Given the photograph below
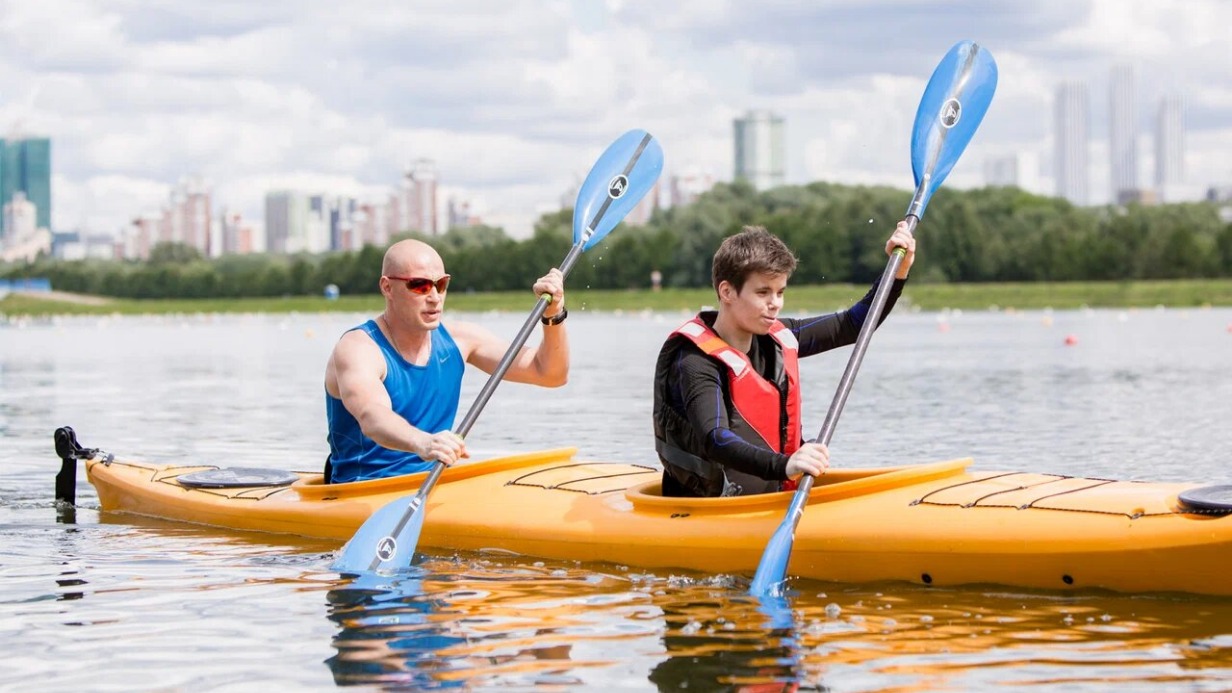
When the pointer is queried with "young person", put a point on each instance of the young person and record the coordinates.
(727, 405)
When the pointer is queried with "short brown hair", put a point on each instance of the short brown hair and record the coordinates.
(754, 249)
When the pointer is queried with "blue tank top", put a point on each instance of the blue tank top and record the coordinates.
(426, 396)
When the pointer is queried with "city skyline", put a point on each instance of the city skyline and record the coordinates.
(513, 102)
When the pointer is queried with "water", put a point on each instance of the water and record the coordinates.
(106, 602)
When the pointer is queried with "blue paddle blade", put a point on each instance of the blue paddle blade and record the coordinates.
(954, 103)
(386, 540)
(616, 183)
(772, 571)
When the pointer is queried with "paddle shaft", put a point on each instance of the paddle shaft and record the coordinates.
(498, 373)
(796, 509)
(507, 360)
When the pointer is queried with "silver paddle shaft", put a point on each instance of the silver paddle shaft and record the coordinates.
(853, 365)
(516, 346)
(501, 368)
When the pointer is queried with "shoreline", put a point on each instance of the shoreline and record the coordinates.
(1178, 294)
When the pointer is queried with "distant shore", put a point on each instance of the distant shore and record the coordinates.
(927, 297)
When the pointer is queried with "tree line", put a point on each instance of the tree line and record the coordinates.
(837, 231)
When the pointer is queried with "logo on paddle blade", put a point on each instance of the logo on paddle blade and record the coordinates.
(618, 186)
(951, 111)
(386, 549)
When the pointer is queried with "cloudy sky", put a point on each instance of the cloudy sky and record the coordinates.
(514, 100)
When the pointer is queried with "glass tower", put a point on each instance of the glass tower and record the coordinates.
(25, 166)
(759, 149)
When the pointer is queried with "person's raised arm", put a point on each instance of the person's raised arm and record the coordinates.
(546, 364)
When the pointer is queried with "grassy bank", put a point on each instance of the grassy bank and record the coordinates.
(1060, 296)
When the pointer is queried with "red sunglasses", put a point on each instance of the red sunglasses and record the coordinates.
(421, 286)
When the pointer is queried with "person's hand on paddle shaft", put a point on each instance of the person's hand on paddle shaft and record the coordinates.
(445, 446)
(812, 459)
(902, 238)
(552, 284)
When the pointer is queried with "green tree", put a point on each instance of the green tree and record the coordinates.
(173, 253)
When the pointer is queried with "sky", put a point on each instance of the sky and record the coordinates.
(515, 100)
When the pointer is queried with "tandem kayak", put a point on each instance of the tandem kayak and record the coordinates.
(934, 524)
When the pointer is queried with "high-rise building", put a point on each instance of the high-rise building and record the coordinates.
(342, 211)
(460, 214)
(645, 207)
(237, 235)
(1123, 133)
(25, 167)
(419, 198)
(20, 220)
(187, 218)
(140, 236)
(1070, 116)
(760, 152)
(1019, 170)
(370, 225)
(21, 239)
(286, 221)
(689, 185)
(296, 222)
(1169, 145)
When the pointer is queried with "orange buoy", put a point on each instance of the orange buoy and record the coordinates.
(1071, 340)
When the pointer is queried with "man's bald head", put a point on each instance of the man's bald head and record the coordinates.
(407, 254)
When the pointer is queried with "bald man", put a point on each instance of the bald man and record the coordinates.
(392, 384)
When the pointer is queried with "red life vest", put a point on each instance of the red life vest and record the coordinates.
(757, 401)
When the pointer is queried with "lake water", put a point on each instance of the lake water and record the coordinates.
(110, 602)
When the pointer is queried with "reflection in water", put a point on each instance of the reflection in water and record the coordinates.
(390, 633)
(473, 622)
(69, 579)
(731, 643)
(453, 625)
(450, 623)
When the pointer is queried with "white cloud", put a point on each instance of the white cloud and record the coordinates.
(514, 100)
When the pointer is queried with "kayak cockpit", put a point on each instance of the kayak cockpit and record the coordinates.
(835, 484)
(315, 488)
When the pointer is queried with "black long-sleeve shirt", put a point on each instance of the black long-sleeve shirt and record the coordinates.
(698, 388)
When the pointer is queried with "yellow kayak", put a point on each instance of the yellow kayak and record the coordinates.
(937, 523)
